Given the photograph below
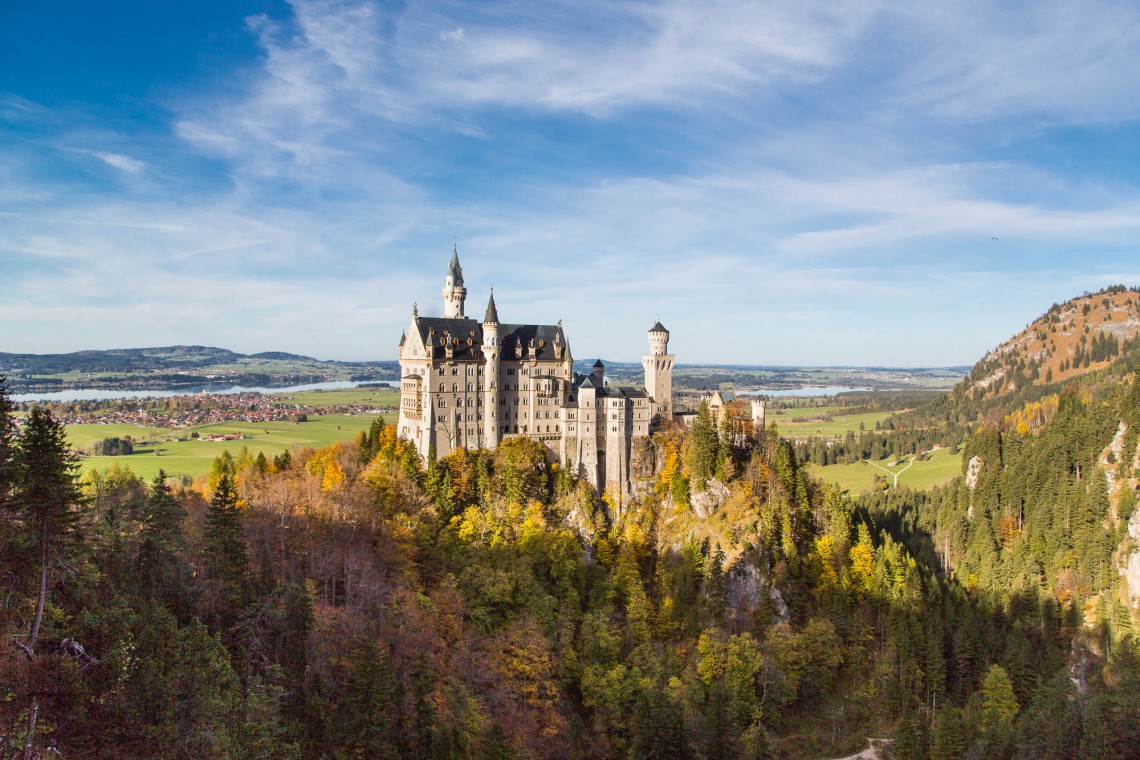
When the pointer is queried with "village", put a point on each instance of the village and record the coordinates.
(199, 409)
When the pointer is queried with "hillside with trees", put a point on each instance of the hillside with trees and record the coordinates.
(354, 601)
(1090, 337)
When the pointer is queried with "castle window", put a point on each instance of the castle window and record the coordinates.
(443, 418)
(455, 387)
(470, 387)
(455, 370)
(441, 385)
(443, 403)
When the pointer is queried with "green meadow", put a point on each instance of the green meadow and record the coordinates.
(178, 454)
(939, 467)
(837, 427)
(377, 397)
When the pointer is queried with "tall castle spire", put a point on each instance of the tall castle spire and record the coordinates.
(454, 294)
(492, 313)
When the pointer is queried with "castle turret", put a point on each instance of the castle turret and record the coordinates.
(758, 416)
(599, 371)
(658, 365)
(491, 350)
(454, 294)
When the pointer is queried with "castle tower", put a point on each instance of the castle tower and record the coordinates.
(491, 349)
(758, 416)
(454, 294)
(658, 365)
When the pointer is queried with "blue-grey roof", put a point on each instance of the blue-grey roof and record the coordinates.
(453, 269)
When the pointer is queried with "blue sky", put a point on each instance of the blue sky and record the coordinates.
(778, 182)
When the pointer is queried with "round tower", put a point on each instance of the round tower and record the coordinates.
(454, 294)
(658, 366)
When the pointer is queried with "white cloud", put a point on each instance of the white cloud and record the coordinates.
(119, 161)
(818, 164)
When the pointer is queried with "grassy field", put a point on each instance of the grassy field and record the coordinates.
(840, 422)
(940, 467)
(377, 397)
(177, 454)
(836, 428)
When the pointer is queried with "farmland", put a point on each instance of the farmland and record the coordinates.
(833, 422)
(939, 467)
(180, 452)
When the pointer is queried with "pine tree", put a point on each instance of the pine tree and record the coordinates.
(7, 444)
(225, 563)
(49, 501)
(162, 571)
(702, 448)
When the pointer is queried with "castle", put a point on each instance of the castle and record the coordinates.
(470, 384)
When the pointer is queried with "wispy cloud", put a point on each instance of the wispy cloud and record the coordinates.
(755, 174)
(119, 161)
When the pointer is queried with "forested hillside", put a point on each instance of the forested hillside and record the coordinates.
(354, 602)
(1091, 336)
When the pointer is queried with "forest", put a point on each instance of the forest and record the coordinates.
(354, 601)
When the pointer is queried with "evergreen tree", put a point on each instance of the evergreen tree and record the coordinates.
(162, 570)
(702, 448)
(658, 727)
(225, 567)
(7, 444)
(369, 704)
(951, 735)
(48, 500)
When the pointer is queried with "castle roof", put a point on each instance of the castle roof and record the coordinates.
(598, 363)
(590, 380)
(543, 336)
(658, 327)
(465, 336)
(492, 312)
(454, 271)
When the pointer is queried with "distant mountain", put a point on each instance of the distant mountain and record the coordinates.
(1093, 336)
(170, 367)
(282, 356)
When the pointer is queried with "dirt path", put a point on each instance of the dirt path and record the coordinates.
(896, 475)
